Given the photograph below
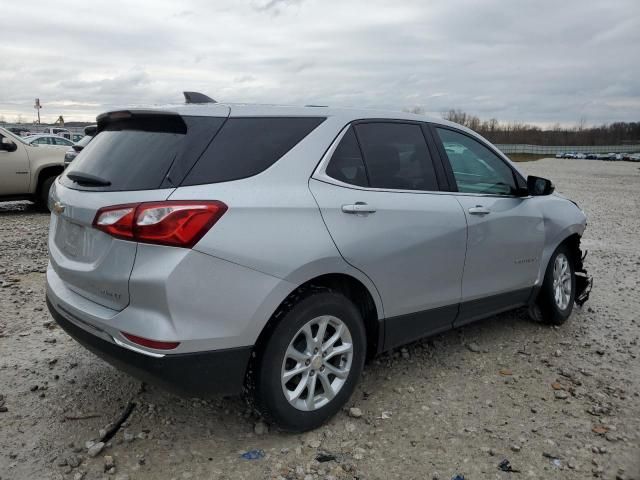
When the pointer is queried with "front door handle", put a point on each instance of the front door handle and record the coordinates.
(358, 207)
(479, 210)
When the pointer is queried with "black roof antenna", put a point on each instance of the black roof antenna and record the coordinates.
(197, 97)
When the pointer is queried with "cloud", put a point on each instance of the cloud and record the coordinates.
(543, 61)
(274, 6)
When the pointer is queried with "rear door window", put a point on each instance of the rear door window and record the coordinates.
(396, 156)
(247, 146)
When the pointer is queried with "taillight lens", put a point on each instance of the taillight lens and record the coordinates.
(175, 223)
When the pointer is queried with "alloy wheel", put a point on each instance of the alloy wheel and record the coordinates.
(562, 281)
(317, 363)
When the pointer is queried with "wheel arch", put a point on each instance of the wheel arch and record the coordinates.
(352, 288)
(570, 237)
(44, 173)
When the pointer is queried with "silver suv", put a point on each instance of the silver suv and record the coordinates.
(214, 248)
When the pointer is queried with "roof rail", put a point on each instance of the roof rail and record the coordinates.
(197, 97)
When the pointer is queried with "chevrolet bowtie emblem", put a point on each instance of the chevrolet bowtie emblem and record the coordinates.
(58, 208)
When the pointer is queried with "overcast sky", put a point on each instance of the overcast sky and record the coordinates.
(536, 61)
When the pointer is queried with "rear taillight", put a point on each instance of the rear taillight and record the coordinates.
(179, 223)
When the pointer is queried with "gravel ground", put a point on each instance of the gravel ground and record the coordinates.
(555, 402)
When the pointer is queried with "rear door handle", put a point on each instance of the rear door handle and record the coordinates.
(479, 210)
(358, 207)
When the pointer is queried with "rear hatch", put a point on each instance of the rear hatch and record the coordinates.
(136, 156)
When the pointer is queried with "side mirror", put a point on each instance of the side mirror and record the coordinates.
(8, 145)
(539, 186)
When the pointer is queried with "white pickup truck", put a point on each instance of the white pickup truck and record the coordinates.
(27, 171)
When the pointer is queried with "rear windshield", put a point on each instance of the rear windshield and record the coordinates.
(142, 153)
(247, 146)
(129, 159)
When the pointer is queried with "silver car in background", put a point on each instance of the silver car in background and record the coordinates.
(218, 248)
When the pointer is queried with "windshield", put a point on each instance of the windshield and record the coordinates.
(84, 141)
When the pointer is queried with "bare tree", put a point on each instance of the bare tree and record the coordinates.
(417, 110)
(515, 132)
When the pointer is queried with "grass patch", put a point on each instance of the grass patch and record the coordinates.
(527, 157)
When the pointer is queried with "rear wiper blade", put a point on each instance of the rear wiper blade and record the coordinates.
(88, 179)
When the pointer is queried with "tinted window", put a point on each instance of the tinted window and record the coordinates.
(247, 146)
(476, 168)
(346, 162)
(138, 153)
(396, 156)
(129, 159)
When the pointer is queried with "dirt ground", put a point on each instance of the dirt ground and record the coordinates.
(555, 402)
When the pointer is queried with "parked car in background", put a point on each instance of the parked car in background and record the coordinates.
(48, 140)
(211, 248)
(73, 152)
(581, 156)
(26, 170)
(61, 132)
(559, 155)
(635, 157)
(592, 156)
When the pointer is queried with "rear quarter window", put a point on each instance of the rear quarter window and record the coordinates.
(247, 146)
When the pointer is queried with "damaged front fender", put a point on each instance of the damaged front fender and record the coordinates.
(584, 282)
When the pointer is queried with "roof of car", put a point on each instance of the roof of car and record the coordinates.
(260, 110)
(272, 110)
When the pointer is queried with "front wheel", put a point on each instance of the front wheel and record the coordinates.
(311, 362)
(557, 294)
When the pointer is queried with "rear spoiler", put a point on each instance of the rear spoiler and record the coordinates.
(142, 120)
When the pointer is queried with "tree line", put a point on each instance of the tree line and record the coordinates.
(617, 133)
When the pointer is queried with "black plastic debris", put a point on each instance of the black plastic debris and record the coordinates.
(323, 457)
(505, 466)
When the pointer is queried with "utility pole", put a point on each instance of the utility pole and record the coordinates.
(37, 106)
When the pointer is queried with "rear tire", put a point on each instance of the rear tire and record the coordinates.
(43, 194)
(302, 375)
(556, 297)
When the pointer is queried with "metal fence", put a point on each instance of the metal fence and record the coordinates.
(552, 149)
(40, 128)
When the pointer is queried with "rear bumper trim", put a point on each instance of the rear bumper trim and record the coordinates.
(192, 374)
(137, 350)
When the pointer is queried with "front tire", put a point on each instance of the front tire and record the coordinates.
(558, 291)
(311, 362)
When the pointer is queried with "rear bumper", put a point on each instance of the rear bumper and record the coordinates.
(193, 374)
